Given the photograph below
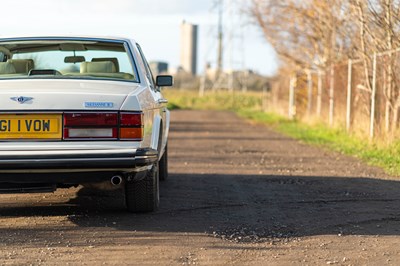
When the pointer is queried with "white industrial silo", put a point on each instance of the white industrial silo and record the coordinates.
(189, 47)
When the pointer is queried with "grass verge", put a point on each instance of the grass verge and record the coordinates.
(248, 106)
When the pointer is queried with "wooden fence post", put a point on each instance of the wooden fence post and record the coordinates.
(310, 92)
(319, 96)
(292, 85)
(373, 99)
(349, 80)
(332, 95)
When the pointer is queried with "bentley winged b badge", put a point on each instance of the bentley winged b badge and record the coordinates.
(21, 99)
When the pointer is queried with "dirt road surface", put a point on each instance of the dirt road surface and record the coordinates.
(238, 194)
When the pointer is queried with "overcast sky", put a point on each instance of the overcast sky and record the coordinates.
(155, 24)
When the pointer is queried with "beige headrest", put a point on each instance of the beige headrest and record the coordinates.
(22, 65)
(98, 67)
(112, 59)
(7, 68)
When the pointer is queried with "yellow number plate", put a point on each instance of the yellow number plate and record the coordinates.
(38, 126)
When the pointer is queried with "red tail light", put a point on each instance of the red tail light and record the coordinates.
(124, 126)
(90, 119)
(131, 119)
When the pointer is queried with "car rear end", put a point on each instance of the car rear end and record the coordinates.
(86, 118)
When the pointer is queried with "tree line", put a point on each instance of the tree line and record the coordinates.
(318, 34)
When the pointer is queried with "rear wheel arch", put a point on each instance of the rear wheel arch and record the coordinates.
(163, 165)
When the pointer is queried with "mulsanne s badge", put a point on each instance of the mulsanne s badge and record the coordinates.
(21, 99)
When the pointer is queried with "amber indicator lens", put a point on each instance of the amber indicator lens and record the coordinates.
(131, 133)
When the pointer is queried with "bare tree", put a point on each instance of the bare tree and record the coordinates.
(314, 34)
(305, 34)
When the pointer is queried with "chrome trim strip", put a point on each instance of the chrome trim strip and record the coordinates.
(67, 152)
(65, 160)
(43, 171)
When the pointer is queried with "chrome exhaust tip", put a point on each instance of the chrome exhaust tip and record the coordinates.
(116, 180)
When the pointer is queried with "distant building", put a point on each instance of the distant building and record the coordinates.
(189, 40)
(158, 67)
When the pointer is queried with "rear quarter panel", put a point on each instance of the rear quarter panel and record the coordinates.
(156, 119)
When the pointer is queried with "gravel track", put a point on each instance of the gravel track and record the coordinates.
(237, 194)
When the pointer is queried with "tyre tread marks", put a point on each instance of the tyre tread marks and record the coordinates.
(142, 195)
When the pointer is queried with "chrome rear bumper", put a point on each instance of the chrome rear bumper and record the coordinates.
(76, 161)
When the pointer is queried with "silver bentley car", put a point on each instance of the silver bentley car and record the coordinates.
(82, 110)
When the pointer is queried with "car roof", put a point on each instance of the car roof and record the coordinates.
(56, 37)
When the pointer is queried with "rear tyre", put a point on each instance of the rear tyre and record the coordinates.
(143, 195)
(164, 165)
